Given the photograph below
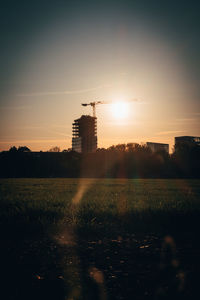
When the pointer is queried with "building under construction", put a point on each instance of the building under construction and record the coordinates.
(84, 130)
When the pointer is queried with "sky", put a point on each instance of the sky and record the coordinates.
(55, 55)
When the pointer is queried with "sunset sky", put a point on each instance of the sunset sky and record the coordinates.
(56, 55)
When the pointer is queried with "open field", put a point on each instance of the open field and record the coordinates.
(104, 239)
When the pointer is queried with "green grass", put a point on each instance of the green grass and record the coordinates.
(141, 234)
(151, 204)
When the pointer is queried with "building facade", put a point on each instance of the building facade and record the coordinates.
(84, 134)
(187, 140)
(158, 147)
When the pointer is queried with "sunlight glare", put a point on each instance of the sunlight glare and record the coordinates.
(120, 110)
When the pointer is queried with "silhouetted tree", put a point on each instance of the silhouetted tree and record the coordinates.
(67, 150)
(118, 161)
(23, 149)
(130, 147)
(13, 149)
(54, 149)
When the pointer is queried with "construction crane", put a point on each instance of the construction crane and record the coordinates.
(93, 104)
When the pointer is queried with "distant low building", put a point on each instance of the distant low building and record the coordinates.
(187, 140)
(84, 132)
(158, 147)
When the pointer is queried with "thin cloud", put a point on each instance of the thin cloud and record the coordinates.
(59, 133)
(44, 127)
(54, 132)
(135, 100)
(20, 107)
(196, 114)
(33, 141)
(126, 101)
(60, 126)
(186, 120)
(122, 123)
(69, 92)
(27, 127)
(169, 132)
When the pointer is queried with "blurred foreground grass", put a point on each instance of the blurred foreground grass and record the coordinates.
(135, 204)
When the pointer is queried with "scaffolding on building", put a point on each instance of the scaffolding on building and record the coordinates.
(84, 131)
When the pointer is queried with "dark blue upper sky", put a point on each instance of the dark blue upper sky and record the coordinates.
(21, 21)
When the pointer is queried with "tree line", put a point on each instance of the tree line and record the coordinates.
(120, 161)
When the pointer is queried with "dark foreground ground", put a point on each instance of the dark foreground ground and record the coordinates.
(146, 248)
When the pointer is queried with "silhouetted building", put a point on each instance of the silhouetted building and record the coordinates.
(187, 140)
(158, 147)
(84, 130)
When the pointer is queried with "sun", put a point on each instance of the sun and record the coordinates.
(120, 110)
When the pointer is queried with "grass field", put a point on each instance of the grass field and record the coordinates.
(87, 201)
(104, 239)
